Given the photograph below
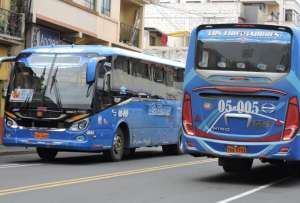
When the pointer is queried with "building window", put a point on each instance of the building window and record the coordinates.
(289, 15)
(106, 7)
(152, 41)
(91, 4)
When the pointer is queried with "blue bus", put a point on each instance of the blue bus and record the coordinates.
(241, 95)
(93, 99)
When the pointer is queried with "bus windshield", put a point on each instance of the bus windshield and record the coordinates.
(243, 53)
(50, 80)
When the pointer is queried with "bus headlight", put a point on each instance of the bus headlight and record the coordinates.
(80, 125)
(10, 123)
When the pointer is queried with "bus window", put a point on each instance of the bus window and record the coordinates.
(179, 76)
(104, 99)
(101, 70)
(250, 56)
(122, 63)
(169, 76)
(140, 69)
(158, 75)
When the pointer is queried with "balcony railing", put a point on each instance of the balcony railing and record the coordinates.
(129, 35)
(90, 4)
(12, 24)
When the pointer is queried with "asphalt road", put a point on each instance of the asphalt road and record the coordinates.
(146, 177)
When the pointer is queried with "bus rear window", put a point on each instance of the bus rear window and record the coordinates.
(244, 52)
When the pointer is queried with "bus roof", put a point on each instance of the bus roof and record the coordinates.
(237, 25)
(103, 51)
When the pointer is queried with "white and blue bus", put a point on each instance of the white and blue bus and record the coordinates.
(93, 99)
(241, 94)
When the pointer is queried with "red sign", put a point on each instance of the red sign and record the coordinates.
(164, 39)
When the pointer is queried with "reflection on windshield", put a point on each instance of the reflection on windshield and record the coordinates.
(236, 56)
(53, 82)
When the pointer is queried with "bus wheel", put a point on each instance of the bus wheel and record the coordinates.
(236, 165)
(117, 151)
(46, 154)
(175, 149)
(129, 152)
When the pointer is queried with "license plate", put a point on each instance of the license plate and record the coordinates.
(236, 149)
(40, 135)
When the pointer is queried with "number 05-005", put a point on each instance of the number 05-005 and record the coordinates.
(240, 107)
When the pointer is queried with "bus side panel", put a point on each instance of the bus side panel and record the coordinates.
(151, 122)
(104, 125)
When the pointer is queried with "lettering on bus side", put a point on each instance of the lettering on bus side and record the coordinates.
(123, 113)
(155, 109)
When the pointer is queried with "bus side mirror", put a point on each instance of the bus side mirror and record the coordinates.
(91, 69)
(4, 90)
(107, 82)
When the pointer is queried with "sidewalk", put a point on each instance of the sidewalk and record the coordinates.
(15, 150)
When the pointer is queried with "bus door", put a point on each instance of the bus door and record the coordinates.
(162, 109)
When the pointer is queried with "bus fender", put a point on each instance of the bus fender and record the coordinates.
(125, 128)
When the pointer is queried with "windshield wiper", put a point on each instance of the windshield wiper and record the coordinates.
(56, 89)
(43, 74)
(27, 99)
(26, 102)
(48, 79)
(53, 82)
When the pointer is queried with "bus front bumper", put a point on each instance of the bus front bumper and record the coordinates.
(89, 141)
(281, 150)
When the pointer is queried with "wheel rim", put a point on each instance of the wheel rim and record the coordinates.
(118, 145)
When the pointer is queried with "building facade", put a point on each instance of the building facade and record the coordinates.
(116, 23)
(181, 16)
(12, 35)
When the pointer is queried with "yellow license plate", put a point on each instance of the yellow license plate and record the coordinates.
(236, 149)
(40, 135)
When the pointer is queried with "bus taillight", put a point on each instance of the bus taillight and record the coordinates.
(187, 114)
(292, 120)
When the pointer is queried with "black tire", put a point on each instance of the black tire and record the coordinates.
(46, 154)
(279, 163)
(236, 165)
(175, 149)
(129, 152)
(116, 153)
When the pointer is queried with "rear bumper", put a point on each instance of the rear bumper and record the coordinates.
(90, 141)
(198, 146)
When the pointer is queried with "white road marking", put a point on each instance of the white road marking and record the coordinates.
(239, 196)
(17, 165)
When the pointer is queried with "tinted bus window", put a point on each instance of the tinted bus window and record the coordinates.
(122, 63)
(140, 69)
(158, 74)
(251, 55)
(179, 75)
(169, 77)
